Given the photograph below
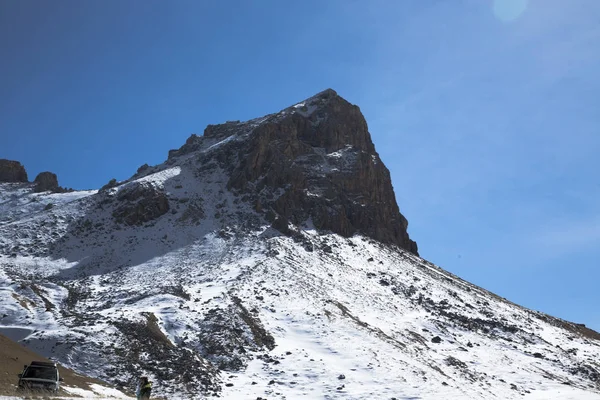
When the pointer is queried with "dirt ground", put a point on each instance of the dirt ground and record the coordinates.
(13, 357)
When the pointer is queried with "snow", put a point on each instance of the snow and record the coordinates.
(70, 275)
(220, 143)
(304, 109)
(96, 392)
(305, 295)
(159, 178)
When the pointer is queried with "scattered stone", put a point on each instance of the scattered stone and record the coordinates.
(436, 339)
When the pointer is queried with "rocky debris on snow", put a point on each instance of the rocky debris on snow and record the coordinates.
(229, 336)
(12, 172)
(109, 185)
(140, 202)
(588, 372)
(194, 212)
(147, 347)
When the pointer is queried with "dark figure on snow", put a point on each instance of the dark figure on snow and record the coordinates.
(143, 389)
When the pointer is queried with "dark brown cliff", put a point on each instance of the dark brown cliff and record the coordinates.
(12, 171)
(316, 162)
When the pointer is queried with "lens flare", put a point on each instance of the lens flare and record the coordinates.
(509, 10)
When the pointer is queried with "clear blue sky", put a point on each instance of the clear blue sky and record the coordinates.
(486, 112)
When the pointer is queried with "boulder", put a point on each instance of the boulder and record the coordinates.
(46, 181)
(12, 171)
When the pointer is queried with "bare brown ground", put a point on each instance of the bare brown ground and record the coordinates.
(12, 358)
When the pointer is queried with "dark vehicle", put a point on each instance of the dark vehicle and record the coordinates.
(40, 375)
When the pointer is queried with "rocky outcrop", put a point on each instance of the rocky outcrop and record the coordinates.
(46, 181)
(12, 171)
(316, 162)
(139, 203)
(313, 163)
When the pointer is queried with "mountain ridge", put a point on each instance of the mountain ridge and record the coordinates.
(219, 272)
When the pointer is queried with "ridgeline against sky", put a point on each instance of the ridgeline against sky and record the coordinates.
(485, 112)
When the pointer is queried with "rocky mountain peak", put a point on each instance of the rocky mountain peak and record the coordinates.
(312, 163)
(12, 171)
(315, 162)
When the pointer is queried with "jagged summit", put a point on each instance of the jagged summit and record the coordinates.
(313, 162)
(317, 104)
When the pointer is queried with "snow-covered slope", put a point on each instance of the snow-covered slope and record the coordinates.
(175, 275)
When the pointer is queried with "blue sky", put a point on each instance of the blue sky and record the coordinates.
(486, 112)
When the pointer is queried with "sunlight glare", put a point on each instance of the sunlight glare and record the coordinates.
(509, 10)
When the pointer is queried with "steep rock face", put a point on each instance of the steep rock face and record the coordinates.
(46, 181)
(12, 171)
(316, 162)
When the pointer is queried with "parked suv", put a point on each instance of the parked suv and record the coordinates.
(40, 375)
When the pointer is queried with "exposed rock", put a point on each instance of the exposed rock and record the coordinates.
(146, 341)
(229, 336)
(140, 203)
(313, 162)
(46, 181)
(109, 185)
(316, 161)
(193, 143)
(12, 171)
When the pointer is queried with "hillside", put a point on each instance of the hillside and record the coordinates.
(268, 259)
(12, 358)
